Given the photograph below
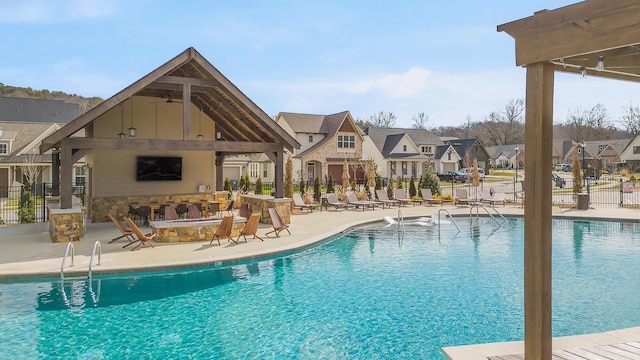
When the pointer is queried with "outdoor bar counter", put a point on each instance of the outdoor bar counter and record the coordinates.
(185, 230)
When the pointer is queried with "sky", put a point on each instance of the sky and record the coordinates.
(442, 58)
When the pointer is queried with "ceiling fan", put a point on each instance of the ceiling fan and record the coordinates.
(169, 99)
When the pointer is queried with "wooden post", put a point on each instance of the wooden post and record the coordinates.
(279, 175)
(55, 172)
(66, 175)
(537, 211)
(219, 172)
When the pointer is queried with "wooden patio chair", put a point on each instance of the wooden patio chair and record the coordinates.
(194, 212)
(170, 212)
(126, 232)
(278, 224)
(298, 203)
(250, 228)
(382, 197)
(142, 238)
(224, 230)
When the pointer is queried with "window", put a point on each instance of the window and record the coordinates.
(310, 138)
(254, 170)
(426, 149)
(4, 149)
(404, 148)
(346, 142)
(393, 168)
(636, 150)
(80, 175)
(404, 168)
(265, 170)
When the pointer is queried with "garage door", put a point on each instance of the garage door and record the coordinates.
(448, 167)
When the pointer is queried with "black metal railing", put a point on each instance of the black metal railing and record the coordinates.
(28, 203)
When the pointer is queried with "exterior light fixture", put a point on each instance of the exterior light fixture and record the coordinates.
(132, 130)
(121, 135)
(199, 137)
(600, 64)
(583, 72)
(218, 135)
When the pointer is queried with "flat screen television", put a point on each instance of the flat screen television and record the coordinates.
(158, 168)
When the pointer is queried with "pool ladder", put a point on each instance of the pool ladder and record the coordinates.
(445, 216)
(481, 206)
(400, 221)
(70, 247)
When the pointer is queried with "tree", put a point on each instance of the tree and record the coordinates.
(26, 206)
(317, 192)
(587, 125)
(577, 174)
(420, 121)
(288, 178)
(303, 186)
(631, 119)
(330, 184)
(429, 180)
(412, 187)
(383, 119)
(506, 126)
(29, 168)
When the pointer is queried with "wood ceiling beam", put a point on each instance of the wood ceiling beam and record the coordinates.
(232, 147)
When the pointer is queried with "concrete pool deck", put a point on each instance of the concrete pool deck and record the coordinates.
(27, 252)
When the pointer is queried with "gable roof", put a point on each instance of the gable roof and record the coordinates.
(192, 78)
(329, 125)
(37, 110)
(379, 135)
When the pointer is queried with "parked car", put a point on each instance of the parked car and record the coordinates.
(453, 176)
(563, 167)
(558, 181)
(468, 171)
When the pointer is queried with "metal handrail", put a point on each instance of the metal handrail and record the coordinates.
(98, 246)
(450, 217)
(64, 258)
(480, 205)
(401, 220)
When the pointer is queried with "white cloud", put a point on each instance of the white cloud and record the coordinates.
(396, 85)
(34, 11)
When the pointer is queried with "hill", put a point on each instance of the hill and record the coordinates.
(19, 92)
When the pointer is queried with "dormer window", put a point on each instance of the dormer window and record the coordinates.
(426, 149)
(4, 149)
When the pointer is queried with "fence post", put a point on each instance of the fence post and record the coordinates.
(621, 202)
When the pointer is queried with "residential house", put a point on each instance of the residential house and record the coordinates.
(327, 143)
(23, 125)
(406, 152)
(470, 149)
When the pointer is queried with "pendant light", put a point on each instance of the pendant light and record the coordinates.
(122, 134)
(199, 137)
(132, 130)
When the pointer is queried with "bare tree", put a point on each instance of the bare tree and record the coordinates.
(420, 121)
(383, 119)
(591, 124)
(30, 170)
(631, 119)
(506, 126)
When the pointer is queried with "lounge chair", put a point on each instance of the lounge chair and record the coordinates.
(487, 198)
(352, 198)
(224, 230)
(194, 212)
(126, 232)
(278, 224)
(298, 203)
(170, 213)
(401, 196)
(427, 197)
(333, 200)
(382, 197)
(250, 228)
(143, 238)
(462, 197)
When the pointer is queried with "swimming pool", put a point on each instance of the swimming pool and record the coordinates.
(367, 294)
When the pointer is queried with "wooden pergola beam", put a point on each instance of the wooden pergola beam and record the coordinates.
(238, 147)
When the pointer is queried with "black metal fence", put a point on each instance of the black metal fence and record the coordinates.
(28, 203)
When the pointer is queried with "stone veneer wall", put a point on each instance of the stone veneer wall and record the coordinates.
(193, 233)
(119, 206)
(259, 204)
(66, 224)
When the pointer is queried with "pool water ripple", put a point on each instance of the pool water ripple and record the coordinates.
(368, 294)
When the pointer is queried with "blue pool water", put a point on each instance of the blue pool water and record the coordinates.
(367, 294)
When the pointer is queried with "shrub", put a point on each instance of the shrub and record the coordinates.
(26, 208)
(227, 186)
(303, 186)
(258, 186)
(412, 187)
(330, 187)
(317, 193)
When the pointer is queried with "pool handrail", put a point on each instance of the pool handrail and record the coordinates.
(64, 258)
(480, 205)
(97, 246)
(450, 217)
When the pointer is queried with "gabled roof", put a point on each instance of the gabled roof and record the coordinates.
(190, 77)
(379, 135)
(318, 124)
(37, 110)
(27, 137)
